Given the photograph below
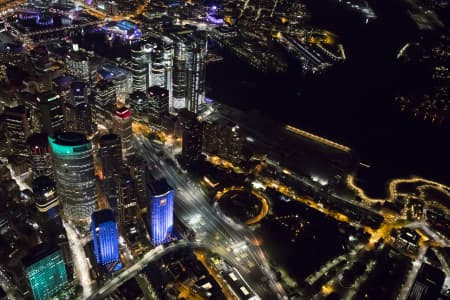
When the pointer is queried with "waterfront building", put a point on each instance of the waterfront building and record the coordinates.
(196, 74)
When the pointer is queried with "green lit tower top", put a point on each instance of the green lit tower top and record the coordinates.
(46, 271)
(74, 175)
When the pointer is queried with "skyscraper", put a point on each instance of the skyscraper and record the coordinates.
(41, 159)
(17, 128)
(78, 118)
(139, 105)
(179, 76)
(158, 104)
(160, 211)
(126, 201)
(110, 153)
(104, 100)
(78, 64)
(51, 112)
(46, 198)
(196, 73)
(46, 271)
(138, 172)
(79, 92)
(139, 67)
(192, 136)
(74, 175)
(105, 237)
(122, 127)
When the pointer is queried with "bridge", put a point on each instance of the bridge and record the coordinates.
(59, 29)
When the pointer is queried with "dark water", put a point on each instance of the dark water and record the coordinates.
(352, 103)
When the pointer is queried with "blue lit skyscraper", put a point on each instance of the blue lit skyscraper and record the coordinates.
(160, 211)
(46, 271)
(106, 239)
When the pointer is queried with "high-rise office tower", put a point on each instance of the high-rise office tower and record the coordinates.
(138, 172)
(78, 118)
(192, 136)
(41, 159)
(196, 73)
(46, 198)
(139, 67)
(78, 64)
(110, 153)
(51, 112)
(167, 58)
(122, 127)
(62, 86)
(158, 103)
(45, 271)
(79, 91)
(179, 76)
(105, 238)
(17, 128)
(103, 97)
(158, 71)
(139, 105)
(160, 211)
(74, 174)
(126, 201)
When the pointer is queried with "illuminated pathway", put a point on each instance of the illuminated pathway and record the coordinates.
(318, 139)
(393, 188)
(264, 203)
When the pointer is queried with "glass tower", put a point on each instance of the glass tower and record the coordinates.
(160, 212)
(46, 272)
(106, 239)
(74, 175)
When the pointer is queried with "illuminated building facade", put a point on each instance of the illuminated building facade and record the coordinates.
(77, 63)
(140, 67)
(46, 198)
(160, 212)
(41, 159)
(196, 74)
(104, 98)
(126, 201)
(79, 91)
(110, 153)
(139, 105)
(158, 103)
(45, 271)
(138, 172)
(105, 238)
(74, 175)
(78, 118)
(179, 76)
(223, 138)
(17, 128)
(122, 127)
(51, 112)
